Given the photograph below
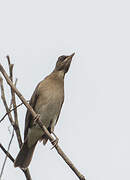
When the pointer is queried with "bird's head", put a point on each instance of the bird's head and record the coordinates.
(63, 63)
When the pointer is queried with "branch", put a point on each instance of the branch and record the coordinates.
(5, 102)
(14, 104)
(7, 153)
(2, 170)
(26, 172)
(59, 150)
(10, 112)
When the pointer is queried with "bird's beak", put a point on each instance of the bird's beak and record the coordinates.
(67, 62)
(69, 58)
(72, 55)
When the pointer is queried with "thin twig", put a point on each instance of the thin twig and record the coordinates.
(10, 112)
(17, 129)
(60, 152)
(11, 77)
(7, 153)
(8, 58)
(5, 102)
(2, 170)
(26, 172)
(14, 104)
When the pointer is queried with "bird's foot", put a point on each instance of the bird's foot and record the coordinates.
(55, 141)
(24, 168)
(36, 118)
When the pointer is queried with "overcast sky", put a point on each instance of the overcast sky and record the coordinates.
(94, 125)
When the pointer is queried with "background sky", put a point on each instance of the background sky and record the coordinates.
(94, 125)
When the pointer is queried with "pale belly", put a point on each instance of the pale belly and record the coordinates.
(48, 115)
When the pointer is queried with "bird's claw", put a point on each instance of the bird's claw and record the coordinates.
(55, 141)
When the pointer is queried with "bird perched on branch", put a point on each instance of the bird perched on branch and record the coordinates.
(46, 101)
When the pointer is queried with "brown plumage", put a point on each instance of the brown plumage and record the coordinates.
(47, 101)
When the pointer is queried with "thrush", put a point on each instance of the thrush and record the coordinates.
(47, 101)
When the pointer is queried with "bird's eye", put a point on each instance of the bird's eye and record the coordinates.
(62, 58)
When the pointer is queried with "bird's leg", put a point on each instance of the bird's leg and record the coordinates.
(36, 118)
(55, 141)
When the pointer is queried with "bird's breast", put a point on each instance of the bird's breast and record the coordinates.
(50, 101)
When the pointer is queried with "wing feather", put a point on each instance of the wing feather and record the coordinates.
(28, 118)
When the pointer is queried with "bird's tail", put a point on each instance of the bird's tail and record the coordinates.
(24, 156)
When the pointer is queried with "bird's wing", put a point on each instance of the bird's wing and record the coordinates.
(29, 118)
(59, 111)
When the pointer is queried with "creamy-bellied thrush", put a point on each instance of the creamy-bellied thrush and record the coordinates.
(47, 101)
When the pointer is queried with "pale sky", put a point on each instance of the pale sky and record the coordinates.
(94, 125)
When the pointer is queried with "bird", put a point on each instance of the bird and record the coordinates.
(47, 101)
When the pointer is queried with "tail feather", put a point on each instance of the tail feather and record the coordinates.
(24, 157)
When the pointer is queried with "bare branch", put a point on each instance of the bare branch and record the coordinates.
(2, 170)
(26, 172)
(8, 58)
(5, 102)
(10, 111)
(14, 104)
(60, 152)
(7, 153)
(9, 114)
